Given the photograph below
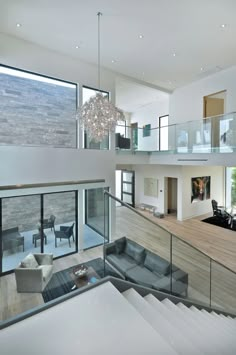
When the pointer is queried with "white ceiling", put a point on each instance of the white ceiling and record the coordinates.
(189, 28)
(131, 96)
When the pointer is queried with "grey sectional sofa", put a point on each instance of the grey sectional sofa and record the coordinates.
(141, 266)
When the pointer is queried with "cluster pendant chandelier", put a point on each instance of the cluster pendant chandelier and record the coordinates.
(98, 115)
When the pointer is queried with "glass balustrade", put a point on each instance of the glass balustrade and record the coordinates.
(211, 135)
(223, 288)
(144, 253)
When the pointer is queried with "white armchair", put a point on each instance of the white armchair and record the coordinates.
(34, 272)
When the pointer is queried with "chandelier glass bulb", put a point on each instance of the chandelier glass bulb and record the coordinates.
(98, 115)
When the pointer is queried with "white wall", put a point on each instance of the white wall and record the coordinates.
(22, 165)
(217, 189)
(25, 55)
(185, 209)
(149, 114)
(186, 103)
(29, 165)
(158, 172)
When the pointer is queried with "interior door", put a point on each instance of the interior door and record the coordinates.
(128, 187)
(214, 106)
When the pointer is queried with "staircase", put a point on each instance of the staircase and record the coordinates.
(186, 330)
(105, 321)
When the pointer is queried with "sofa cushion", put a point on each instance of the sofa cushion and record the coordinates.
(135, 251)
(121, 262)
(155, 263)
(141, 276)
(29, 262)
(120, 245)
(164, 284)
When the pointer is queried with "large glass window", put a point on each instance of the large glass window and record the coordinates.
(36, 110)
(44, 223)
(20, 220)
(231, 188)
(89, 143)
(59, 223)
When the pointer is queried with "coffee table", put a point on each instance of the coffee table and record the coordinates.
(89, 278)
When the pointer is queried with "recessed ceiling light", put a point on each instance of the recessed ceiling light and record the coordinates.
(223, 25)
(140, 36)
(201, 68)
(174, 54)
(113, 61)
(77, 47)
(18, 25)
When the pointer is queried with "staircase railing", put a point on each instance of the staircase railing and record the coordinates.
(215, 134)
(192, 274)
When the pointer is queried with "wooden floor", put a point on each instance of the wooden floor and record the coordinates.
(216, 242)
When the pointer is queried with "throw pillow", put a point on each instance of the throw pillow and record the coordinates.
(29, 262)
(135, 251)
(120, 245)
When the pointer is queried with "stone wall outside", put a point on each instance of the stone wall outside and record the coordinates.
(24, 211)
(36, 113)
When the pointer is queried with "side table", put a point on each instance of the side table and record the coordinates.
(36, 237)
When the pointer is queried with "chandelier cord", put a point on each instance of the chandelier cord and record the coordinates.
(99, 14)
(98, 116)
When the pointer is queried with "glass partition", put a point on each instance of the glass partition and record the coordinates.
(223, 288)
(190, 272)
(94, 218)
(212, 134)
(139, 250)
(20, 219)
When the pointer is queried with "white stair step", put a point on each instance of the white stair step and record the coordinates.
(225, 335)
(163, 335)
(213, 333)
(177, 322)
(222, 320)
(172, 335)
(203, 330)
(99, 321)
(214, 318)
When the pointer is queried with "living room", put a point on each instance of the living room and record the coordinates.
(26, 165)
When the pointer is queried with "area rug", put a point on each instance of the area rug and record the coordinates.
(217, 222)
(61, 282)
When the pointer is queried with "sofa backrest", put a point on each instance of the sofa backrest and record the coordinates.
(155, 263)
(130, 248)
(135, 251)
(10, 230)
(150, 260)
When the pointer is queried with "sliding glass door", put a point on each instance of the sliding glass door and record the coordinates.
(20, 221)
(42, 223)
(59, 223)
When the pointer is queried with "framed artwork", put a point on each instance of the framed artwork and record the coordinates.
(201, 188)
(150, 187)
(147, 130)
